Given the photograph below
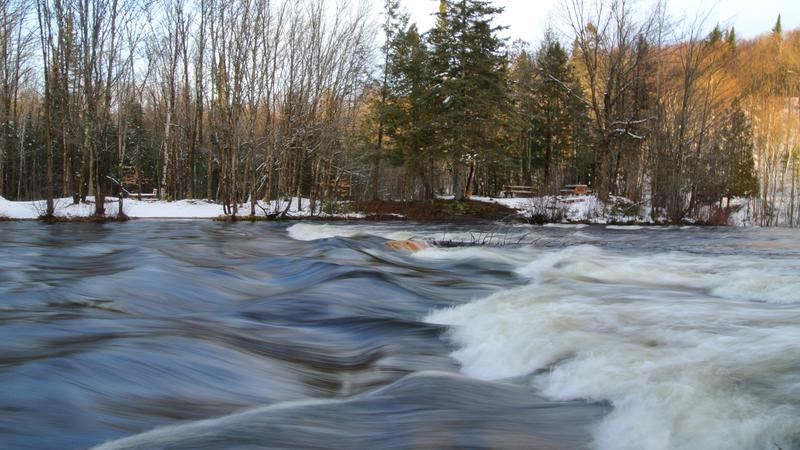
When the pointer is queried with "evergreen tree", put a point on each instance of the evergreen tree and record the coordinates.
(729, 168)
(139, 155)
(523, 83)
(777, 30)
(730, 38)
(468, 64)
(408, 113)
(561, 114)
(715, 36)
(394, 26)
(737, 150)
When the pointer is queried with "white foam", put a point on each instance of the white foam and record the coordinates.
(313, 232)
(624, 227)
(481, 253)
(647, 227)
(576, 226)
(728, 277)
(684, 368)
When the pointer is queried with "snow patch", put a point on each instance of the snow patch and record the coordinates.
(159, 209)
(571, 208)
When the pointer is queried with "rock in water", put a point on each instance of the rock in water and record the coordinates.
(412, 246)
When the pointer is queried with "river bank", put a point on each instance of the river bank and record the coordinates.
(584, 209)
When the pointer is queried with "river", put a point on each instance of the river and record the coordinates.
(199, 334)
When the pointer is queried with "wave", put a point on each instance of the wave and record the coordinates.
(313, 232)
(647, 227)
(491, 236)
(729, 277)
(693, 352)
(576, 226)
(459, 413)
(495, 255)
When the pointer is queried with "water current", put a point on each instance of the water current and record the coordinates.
(198, 334)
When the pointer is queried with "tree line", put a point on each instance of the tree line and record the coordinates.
(234, 101)
(246, 101)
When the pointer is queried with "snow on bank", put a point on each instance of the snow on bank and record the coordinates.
(17, 210)
(572, 208)
(133, 208)
(556, 210)
(589, 209)
(154, 209)
(578, 210)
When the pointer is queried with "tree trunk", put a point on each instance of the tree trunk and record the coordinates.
(470, 179)
(458, 187)
(210, 175)
(601, 175)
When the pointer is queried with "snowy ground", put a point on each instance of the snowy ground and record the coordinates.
(589, 209)
(573, 208)
(154, 209)
(550, 209)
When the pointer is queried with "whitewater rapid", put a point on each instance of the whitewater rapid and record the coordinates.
(692, 351)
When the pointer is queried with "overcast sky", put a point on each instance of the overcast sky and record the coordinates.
(527, 19)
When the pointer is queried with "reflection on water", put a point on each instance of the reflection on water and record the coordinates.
(319, 336)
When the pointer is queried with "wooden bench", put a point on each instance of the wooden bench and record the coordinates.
(521, 191)
(575, 189)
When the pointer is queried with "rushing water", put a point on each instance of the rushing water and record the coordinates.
(208, 335)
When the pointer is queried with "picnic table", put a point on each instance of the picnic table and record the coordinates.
(520, 191)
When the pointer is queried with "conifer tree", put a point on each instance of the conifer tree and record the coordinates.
(562, 113)
(715, 36)
(730, 38)
(523, 83)
(729, 167)
(737, 150)
(394, 26)
(470, 86)
(777, 30)
(408, 112)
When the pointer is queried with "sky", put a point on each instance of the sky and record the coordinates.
(527, 19)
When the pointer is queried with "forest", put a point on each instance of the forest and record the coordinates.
(241, 101)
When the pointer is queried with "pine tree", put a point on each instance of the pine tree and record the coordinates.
(730, 38)
(777, 30)
(715, 36)
(394, 26)
(470, 86)
(729, 167)
(408, 111)
(738, 149)
(561, 113)
(523, 82)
